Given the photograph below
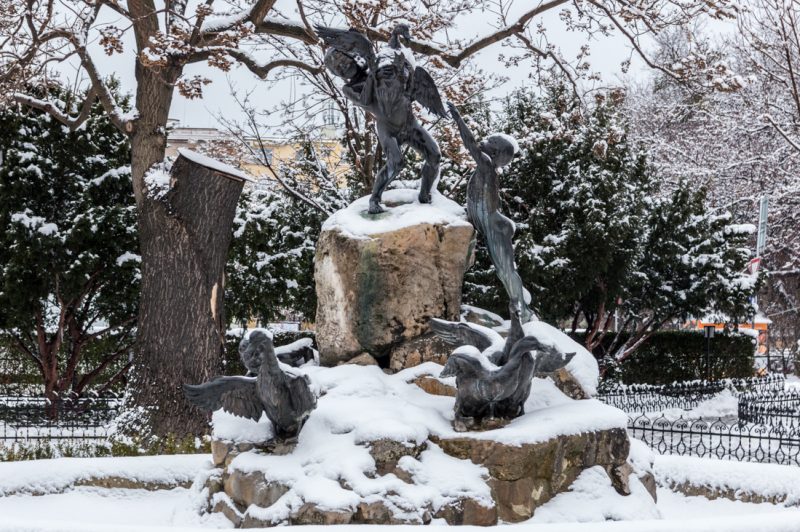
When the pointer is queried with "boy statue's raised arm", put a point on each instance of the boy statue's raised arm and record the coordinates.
(467, 137)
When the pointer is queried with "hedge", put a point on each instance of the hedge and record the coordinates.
(669, 356)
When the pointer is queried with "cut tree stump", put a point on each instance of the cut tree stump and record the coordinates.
(185, 237)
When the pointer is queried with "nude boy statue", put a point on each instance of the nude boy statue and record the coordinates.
(483, 208)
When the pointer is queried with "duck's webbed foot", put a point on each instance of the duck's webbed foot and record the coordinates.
(463, 423)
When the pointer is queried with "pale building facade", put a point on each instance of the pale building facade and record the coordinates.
(276, 151)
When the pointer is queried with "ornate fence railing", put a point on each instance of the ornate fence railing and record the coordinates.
(35, 418)
(767, 428)
(771, 408)
(644, 398)
(718, 439)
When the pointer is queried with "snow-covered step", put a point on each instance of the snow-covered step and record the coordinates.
(742, 481)
(141, 472)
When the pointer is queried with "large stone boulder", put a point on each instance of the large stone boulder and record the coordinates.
(525, 476)
(380, 278)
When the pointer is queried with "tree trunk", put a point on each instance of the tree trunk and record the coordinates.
(184, 245)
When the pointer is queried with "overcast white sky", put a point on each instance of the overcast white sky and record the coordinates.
(606, 56)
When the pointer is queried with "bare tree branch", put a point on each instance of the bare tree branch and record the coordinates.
(52, 109)
(782, 133)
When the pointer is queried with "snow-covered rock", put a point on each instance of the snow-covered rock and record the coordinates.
(744, 481)
(592, 498)
(583, 366)
(378, 448)
(380, 278)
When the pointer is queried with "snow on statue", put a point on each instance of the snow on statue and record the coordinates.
(494, 387)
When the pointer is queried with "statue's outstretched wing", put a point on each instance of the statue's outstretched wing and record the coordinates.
(350, 41)
(297, 353)
(303, 399)
(235, 395)
(425, 92)
(458, 334)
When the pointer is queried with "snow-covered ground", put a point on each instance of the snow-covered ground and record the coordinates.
(95, 509)
(767, 480)
(86, 506)
(591, 501)
(724, 405)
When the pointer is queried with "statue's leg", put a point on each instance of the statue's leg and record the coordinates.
(394, 162)
(426, 146)
(501, 249)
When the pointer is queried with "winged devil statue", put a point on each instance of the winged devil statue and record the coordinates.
(283, 394)
(385, 84)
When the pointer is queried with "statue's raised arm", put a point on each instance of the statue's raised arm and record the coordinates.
(468, 138)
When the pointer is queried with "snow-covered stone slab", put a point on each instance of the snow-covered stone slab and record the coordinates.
(743, 481)
(57, 474)
(403, 211)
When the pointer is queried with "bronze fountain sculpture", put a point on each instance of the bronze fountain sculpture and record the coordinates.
(493, 375)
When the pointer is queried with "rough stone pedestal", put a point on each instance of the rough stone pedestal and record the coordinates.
(524, 477)
(380, 278)
(521, 478)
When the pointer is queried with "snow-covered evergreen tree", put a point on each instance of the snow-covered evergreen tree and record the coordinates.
(741, 144)
(69, 263)
(594, 236)
(270, 272)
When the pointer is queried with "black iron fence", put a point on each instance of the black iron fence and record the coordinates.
(766, 429)
(718, 439)
(35, 418)
(776, 409)
(644, 398)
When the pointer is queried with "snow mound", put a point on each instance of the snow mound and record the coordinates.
(592, 498)
(242, 430)
(641, 457)
(583, 366)
(402, 210)
(58, 474)
(723, 405)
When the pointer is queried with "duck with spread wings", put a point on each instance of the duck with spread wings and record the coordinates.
(283, 394)
(494, 375)
(385, 84)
